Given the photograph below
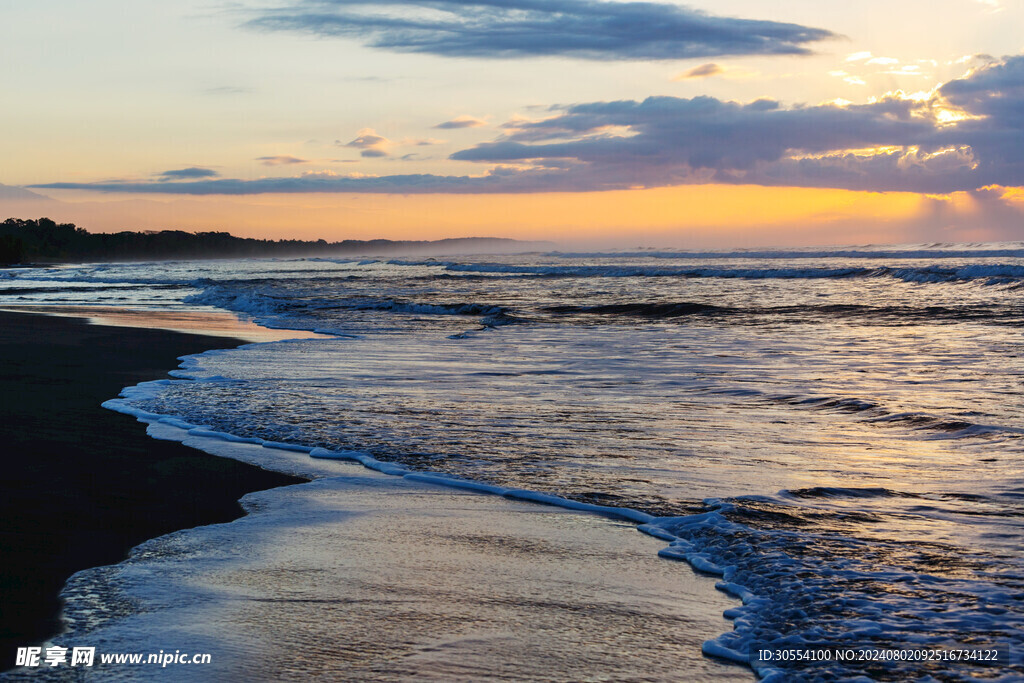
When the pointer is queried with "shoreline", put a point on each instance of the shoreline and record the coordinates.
(364, 575)
(83, 485)
(582, 588)
(207, 323)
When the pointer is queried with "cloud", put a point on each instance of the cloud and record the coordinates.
(536, 28)
(905, 70)
(191, 173)
(967, 135)
(371, 144)
(461, 122)
(319, 182)
(849, 78)
(997, 88)
(993, 96)
(702, 71)
(283, 160)
(668, 140)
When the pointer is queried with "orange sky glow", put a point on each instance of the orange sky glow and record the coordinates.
(698, 215)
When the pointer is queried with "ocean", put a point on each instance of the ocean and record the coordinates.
(837, 435)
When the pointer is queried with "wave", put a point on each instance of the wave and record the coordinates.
(119, 286)
(241, 300)
(803, 581)
(100, 275)
(842, 492)
(953, 428)
(645, 310)
(988, 274)
(312, 313)
(495, 314)
(768, 254)
(807, 584)
(634, 271)
(889, 314)
(874, 412)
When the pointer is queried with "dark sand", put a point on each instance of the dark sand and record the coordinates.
(82, 485)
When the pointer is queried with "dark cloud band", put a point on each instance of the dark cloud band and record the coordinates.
(191, 173)
(405, 184)
(535, 28)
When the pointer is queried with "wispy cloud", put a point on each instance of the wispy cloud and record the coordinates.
(191, 173)
(373, 145)
(848, 77)
(712, 70)
(461, 122)
(702, 71)
(320, 182)
(967, 135)
(533, 28)
(284, 160)
(370, 143)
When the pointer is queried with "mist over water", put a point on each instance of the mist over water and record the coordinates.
(838, 434)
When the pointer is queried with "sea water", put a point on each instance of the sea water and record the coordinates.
(837, 434)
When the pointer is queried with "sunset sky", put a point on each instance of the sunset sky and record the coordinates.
(700, 124)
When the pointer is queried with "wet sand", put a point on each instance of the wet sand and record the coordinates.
(82, 485)
(363, 576)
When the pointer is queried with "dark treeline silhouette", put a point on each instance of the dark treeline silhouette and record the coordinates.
(43, 240)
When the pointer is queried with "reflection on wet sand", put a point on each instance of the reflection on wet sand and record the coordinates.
(214, 323)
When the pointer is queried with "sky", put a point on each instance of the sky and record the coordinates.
(731, 123)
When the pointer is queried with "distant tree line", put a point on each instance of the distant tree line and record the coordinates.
(44, 240)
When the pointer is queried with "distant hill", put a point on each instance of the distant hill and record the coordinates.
(17, 193)
(44, 240)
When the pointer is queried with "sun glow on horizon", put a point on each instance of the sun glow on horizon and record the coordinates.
(697, 215)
